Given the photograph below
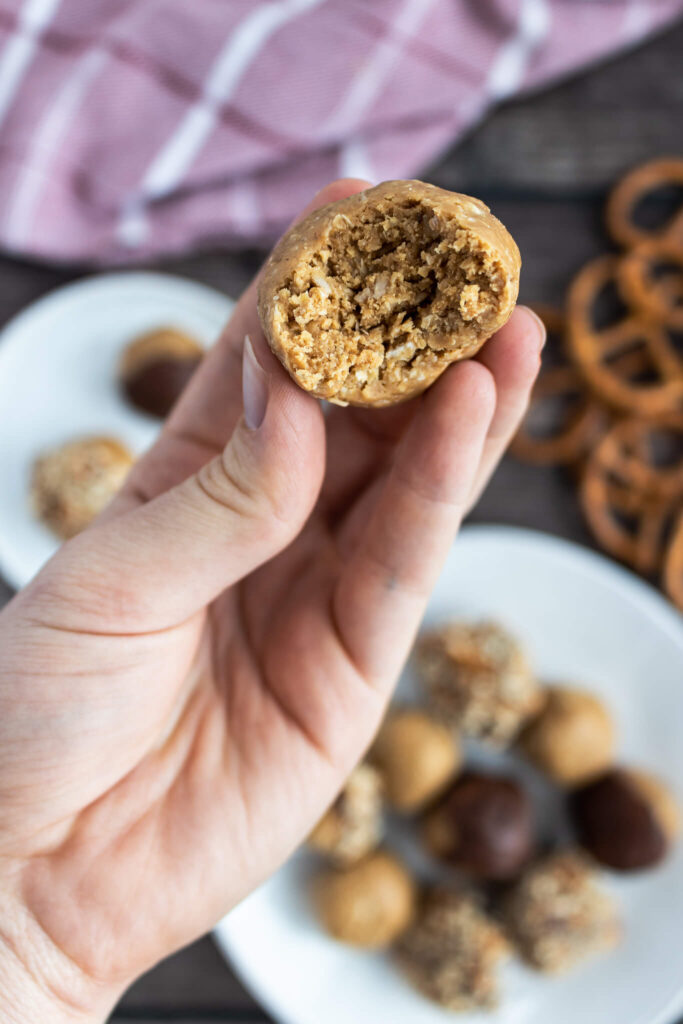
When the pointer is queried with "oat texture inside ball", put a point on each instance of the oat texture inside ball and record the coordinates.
(369, 299)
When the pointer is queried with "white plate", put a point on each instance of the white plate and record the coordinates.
(584, 620)
(58, 380)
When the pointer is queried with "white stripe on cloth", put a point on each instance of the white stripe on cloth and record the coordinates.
(637, 18)
(507, 71)
(355, 162)
(177, 155)
(46, 141)
(367, 84)
(16, 58)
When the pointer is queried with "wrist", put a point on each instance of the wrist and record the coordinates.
(38, 983)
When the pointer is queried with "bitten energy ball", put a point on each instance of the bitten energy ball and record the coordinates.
(416, 756)
(367, 300)
(626, 819)
(368, 905)
(557, 914)
(453, 951)
(72, 484)
(156, 367)
(484, 826)
(572, 739)
(353, 825)
(477, 679)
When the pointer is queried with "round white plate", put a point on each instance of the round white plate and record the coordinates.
(583, 620)
(58, 363)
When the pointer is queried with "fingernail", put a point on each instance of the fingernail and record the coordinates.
(542, 332)
(254, 387)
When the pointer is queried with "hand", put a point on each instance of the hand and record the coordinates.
(186, 685)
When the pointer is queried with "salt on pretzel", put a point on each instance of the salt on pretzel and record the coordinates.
(626, 195)
(581, 421)
(605, 355)
(629, 496)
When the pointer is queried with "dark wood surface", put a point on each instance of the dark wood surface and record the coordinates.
(543, 163)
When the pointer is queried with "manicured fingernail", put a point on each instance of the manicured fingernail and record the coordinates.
(254, 387)
(542, 333)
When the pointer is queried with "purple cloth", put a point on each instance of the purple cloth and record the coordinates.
(132, 128)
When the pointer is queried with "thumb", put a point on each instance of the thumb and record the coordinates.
(162, 562)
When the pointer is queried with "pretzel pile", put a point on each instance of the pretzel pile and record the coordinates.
(609, 400)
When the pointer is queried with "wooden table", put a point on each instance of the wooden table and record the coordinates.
(543, 164)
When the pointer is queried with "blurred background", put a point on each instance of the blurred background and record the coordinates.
(181, 137)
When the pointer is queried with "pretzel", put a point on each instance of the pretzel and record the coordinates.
(581, 422)
(673, 564)
(661, 299)
(605, 355)
(630, 190)
(628, 498)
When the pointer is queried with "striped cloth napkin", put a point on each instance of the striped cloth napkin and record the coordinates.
(132, 128)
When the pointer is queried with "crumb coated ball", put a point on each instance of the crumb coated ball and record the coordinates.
(476, 678)
(72, 484)
(353, 825)
(557, 913)
(573, 737)
(370, 904)
(452, 952)
(156, 367)
(367, 300)
(484, 825)
(417, 757)
(626, 819)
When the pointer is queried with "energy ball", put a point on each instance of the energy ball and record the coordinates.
(572, 739)
(353, 825)
(72, 484)
(416, 756)
(557, 914)
(367, 300)
(452, 952)
(156, 367)
(368, 905)
(477, 680)
(627, 820)
(484, 826)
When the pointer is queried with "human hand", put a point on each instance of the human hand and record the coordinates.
(186, 685)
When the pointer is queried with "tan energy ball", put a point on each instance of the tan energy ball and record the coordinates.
(417, 758)
(352, 827)
(368, 905)
(72, 484)
(367, 300)
(572, 739)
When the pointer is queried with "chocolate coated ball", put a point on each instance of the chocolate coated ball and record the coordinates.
(484, 826)
(156, 367)
(625, 819)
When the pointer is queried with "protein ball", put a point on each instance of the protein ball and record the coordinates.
(557, 914)
(156, 367)
(367, 300)
(477, 679)
(485, 826)
(353, 825)
(73, 483)
(368, 905)
(417, 757)
(572, 739)
(626, 819)
(452, 952)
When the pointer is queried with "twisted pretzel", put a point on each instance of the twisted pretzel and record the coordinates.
(560, 384)
(606, 355)
(629, 498)
(661, 299)
(631, 189)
